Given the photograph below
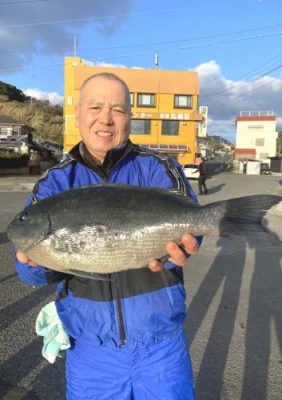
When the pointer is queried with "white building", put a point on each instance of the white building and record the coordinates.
(257, 130)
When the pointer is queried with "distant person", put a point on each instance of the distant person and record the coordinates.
(202, 168)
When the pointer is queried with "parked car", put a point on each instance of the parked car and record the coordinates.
(191, 171)
(264, 169)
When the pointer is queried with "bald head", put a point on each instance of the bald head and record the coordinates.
(111, 77)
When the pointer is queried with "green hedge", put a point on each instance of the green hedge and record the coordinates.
(8, 160)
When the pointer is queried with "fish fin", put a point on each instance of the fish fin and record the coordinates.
(89, 275)
(246, 216)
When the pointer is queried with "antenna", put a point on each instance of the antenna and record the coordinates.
(74, 45)
(157, 61)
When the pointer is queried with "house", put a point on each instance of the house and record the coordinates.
(244, 154)
(14, 131)
(165, 111)
(256, 130)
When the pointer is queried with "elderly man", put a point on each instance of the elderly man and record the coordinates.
(126, 329)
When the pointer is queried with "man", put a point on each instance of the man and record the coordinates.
(126, 329)
(202, 168)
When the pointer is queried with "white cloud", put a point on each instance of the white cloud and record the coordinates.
(50, 26)
(102, 64)
(106, 64)
(225, 98)
(52, 97)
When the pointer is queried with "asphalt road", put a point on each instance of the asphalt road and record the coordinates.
(234, 304)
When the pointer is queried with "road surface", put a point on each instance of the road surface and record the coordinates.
(234, 304)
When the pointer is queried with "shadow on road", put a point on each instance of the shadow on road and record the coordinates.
(20, 365)
(214, 189)
(264, 312)
(223, 270)
(14, 311)
(49, 382)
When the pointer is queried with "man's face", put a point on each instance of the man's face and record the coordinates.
(103, 116)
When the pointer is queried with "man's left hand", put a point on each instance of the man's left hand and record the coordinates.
(177, 255)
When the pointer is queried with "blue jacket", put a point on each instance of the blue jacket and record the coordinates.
(136, 305)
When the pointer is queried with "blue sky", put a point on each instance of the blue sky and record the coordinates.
(235, 45)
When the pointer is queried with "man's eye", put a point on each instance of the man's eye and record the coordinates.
(119, 110)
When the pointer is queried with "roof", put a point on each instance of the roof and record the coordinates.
(257, 118)
(146, 80)
(245, 151)
(7, 120)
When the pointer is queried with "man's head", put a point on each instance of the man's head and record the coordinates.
(103, 114)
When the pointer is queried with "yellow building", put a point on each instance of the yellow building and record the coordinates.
(164, 107)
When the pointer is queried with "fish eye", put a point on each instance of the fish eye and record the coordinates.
(23, 216)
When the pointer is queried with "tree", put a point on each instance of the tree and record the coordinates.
(279, 143)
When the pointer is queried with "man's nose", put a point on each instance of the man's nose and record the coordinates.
(106, 116)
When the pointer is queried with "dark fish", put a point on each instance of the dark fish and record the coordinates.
(110, 228)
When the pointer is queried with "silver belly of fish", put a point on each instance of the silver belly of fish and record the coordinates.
(94, 249)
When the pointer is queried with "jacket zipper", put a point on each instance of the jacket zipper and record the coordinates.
(117, 297)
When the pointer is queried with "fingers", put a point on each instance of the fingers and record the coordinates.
(155, 265)
(176, 254)
(190, 244)
(23, 258)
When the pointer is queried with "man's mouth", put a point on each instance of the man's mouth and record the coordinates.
(104, 133)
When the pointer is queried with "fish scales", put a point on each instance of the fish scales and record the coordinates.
(109, 228)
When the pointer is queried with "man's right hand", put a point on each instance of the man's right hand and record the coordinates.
(23, 258)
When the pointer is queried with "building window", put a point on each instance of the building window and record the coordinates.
(259, 142)
(146, 100)
(170, 128)
(263, 156)
(132, 99)
(182, 101)
(255, 127)
(141, 126)
(6, 130)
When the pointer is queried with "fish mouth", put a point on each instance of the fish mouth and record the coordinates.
(34, 242)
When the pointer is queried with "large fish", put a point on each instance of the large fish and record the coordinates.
(110, 228)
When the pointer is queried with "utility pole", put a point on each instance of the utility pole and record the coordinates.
(220, 152)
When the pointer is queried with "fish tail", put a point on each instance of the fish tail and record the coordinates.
(245, 216)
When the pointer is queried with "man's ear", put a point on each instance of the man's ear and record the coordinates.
(76, 114)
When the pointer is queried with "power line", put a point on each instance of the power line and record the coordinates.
(22, 2)
(163, 50)
(191, 38)
(160, 43)
(223, 92)
(192, 46)
(124, 15)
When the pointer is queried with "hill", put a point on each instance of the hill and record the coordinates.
(220, 139)
(45, 118)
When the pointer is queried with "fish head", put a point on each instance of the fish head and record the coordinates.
(29, 227)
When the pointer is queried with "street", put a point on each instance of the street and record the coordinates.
(234, 302)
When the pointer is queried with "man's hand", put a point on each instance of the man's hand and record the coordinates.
(177, 255)
(23, 258)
